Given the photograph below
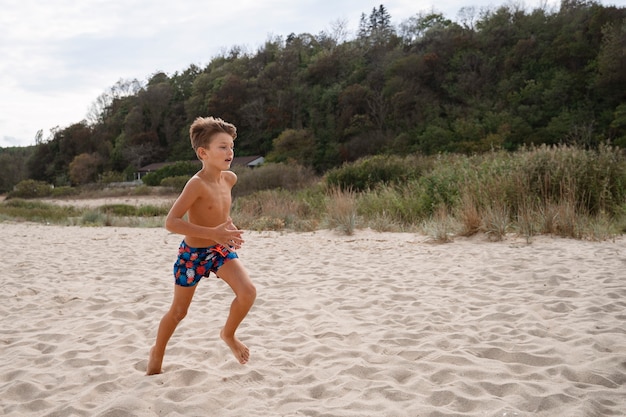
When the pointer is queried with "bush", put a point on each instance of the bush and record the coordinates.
(151, 211)
(175, 183)
(141, 190)
(119, 209)
(64, 191)
(367, 173)
(109, 177)
(273, 176)
(94, 218)
(185, 168)
(31, 189)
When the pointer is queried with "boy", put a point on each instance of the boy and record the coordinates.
(210, 239)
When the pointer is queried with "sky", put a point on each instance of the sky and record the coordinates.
(58, 56)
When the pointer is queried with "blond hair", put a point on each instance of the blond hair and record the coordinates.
(203, 129)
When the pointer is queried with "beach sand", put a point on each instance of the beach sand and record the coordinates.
(374, 324)
(139, 200)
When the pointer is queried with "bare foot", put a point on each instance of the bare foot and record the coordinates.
(241, 351)
(154, 363)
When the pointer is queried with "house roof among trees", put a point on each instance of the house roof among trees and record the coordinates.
(250, 161)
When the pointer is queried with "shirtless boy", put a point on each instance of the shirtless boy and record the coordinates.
(210, 239)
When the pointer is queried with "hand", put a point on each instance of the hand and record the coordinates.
(227, 235)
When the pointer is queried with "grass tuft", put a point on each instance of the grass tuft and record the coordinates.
(341, 210)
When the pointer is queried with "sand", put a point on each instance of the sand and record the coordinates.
(139, 200)
(375, 324)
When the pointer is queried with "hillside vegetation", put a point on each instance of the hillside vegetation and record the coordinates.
(496, 79)
(558, 190)
(506, 120)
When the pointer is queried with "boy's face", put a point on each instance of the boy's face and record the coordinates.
(220, 151)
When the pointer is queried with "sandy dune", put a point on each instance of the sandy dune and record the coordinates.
(375, 324)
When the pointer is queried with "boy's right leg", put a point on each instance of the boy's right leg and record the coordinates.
(177, 312)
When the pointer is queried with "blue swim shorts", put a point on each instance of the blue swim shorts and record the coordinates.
(194, 263)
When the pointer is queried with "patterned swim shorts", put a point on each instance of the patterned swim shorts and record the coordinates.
(194, 263)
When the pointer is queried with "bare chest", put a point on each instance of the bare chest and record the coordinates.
(212, 207)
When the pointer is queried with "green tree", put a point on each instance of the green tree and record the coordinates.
(377, 28)
(13, 166)
(611, 78)
(413, 29)
(500, 77)
(294, 145)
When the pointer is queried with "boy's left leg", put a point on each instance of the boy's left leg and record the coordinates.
(236, 276)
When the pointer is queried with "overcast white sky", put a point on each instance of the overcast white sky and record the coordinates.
(58, 56)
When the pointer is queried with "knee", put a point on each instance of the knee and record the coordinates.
(178, 314)
(248, 294)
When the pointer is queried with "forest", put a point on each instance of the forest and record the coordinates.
(495, 79)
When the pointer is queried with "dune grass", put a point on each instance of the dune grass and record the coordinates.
(35, 211)
(559, 190)
(107, 215)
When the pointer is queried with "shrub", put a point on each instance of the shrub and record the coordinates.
(94, 218)
(151, 211)
(31, 189)
(367, 173)
(273, 176)
(119, 209)
(64, 191)
(141, 190)
(109, 177)
(175, 183)
(185, 168)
